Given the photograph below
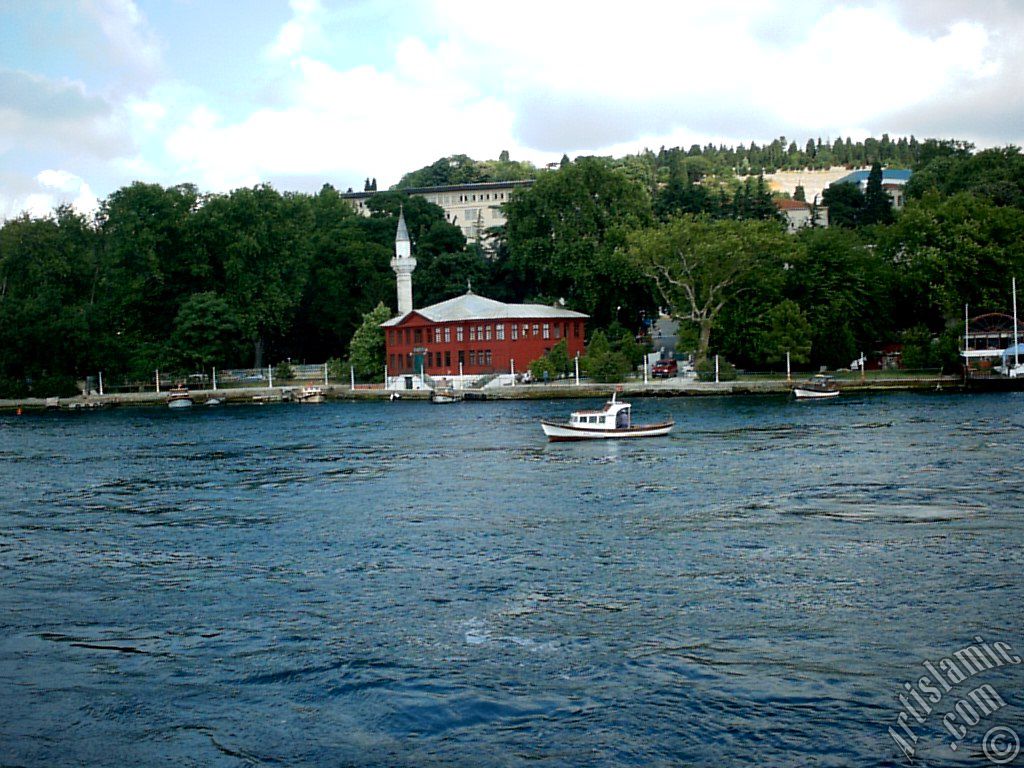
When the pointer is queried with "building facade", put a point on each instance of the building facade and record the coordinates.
(798, 214)
(469, 335)
(474, 208)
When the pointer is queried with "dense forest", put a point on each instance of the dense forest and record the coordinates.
(173, 278)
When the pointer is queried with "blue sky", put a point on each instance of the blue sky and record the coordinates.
(95, 94)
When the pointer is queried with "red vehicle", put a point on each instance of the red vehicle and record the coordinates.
(665, 369)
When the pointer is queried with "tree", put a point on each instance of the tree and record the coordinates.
(845, 203)
(563, 234)
(787, 330)
(366, 351)
(700, 266)
(877, 203)
(799, 194)
(206, 333)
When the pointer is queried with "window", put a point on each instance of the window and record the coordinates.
(487, 333)
(547, 330)
(499, 331)
(515, 331)
(430, 359)
(437, 335)
(487, 356)
(406, 335)
(536, 329)
(576, 330)
(472, 357)
(558, 331)
(391, 336)
(417, 336)
(458, 333)
(565, 330)
(472, 333)
(447, 334)
(391, 362)
(526, 330)
(447, 358)
(479, 333)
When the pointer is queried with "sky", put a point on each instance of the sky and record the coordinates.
(96, 94)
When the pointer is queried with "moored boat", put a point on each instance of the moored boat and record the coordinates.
(179, 397)
(443, 395)
(817, 387)
(310, 395)
(612, 421)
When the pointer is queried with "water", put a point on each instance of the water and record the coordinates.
(404, 584)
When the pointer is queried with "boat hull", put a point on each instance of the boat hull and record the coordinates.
(559, 432)
(995, 383)
(182, 402)
(811, 394)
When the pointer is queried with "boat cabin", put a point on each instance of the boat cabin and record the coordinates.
(613, 416)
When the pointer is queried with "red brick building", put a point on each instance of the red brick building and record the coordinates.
(482, 335)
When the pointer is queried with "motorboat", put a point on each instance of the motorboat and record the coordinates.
(179, 397)
(614, 420)
(310, 395)
(444, 395)
(817, 387)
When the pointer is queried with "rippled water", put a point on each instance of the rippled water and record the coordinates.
(404, 584)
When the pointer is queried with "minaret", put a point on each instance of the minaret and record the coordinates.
(403, 264)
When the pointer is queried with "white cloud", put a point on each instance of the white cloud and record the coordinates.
(300, 32)
(129, 43)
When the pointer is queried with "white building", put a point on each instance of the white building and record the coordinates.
(474, 208)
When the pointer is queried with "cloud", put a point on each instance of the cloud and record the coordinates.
(39, 196)
(60, 116)
(300, 33)
(128, 43)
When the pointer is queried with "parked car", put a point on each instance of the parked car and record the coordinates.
(665, 369)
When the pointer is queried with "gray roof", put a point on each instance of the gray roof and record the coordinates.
(469, 306)
(403, 231)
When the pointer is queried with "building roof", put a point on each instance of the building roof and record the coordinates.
(482, 186)
(469, 306)
(402, 235)
(889, 176)
(784, 204)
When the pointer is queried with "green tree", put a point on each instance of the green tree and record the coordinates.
(206, 333)
(787, 330)
(563, 234)
(366, 351)
(877, 203)
(845, 203)
(701, 266)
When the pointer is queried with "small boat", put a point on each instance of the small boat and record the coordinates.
(817, 387)
(612, 421)
(443, 395)
(212, 401)
(310, 395)
(179, 397)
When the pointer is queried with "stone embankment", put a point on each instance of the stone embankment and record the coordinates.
(679, 387)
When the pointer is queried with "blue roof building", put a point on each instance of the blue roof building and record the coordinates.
(893, 181)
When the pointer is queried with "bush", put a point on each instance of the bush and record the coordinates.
(283, 372)
(706, 370)
(13, 388)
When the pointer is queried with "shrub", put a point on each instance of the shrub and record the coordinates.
(706, 370)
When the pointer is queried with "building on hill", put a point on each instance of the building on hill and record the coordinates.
(798, 214)
(469, 336)
(894, 181)
(474, 208)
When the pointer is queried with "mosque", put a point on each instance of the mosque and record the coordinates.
(468, 337)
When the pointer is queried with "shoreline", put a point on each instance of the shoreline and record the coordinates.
(535, 391)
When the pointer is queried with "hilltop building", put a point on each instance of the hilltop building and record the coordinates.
(474, 208)
(798, 214)
(894, 181)
(467, 337)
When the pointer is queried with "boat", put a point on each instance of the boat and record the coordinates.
(1008, 376)
(614, 420)
(212, 401)
(443, 395)
(310, 395)
(179, 397)
(819, 386)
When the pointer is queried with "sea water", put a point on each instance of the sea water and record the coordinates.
(406, 584)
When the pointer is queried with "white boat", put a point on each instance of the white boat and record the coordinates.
(179, 397)
(310, 395)
(612, 421)
(443, 395)
(816, 388)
